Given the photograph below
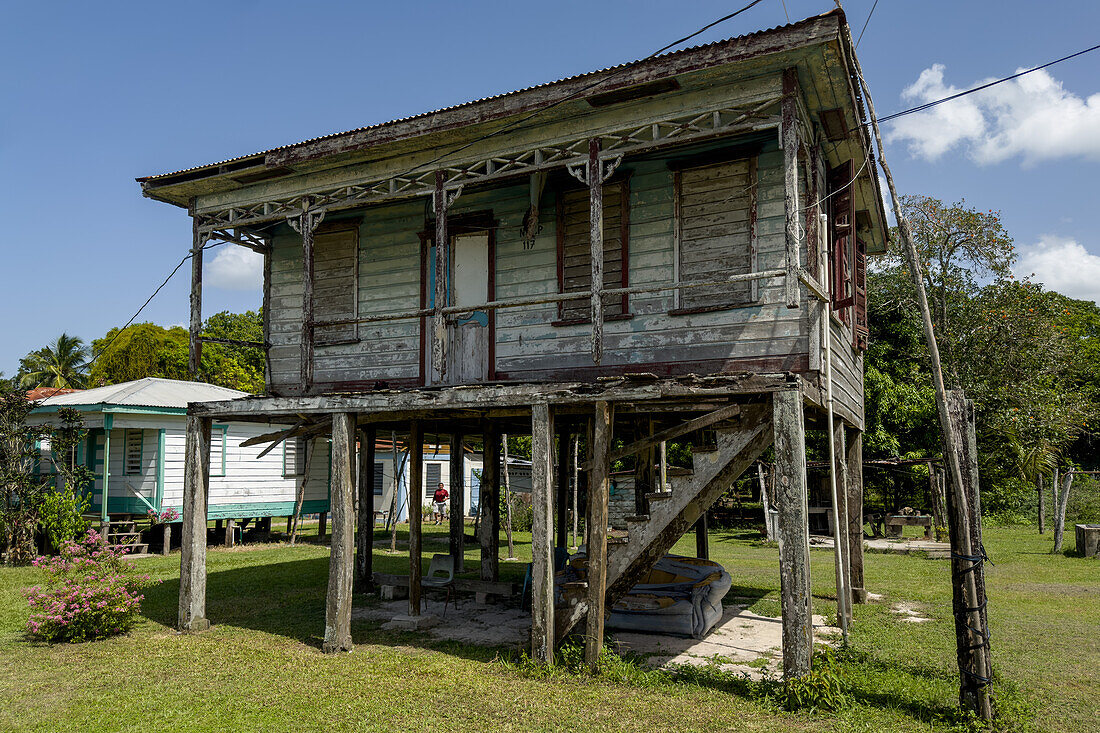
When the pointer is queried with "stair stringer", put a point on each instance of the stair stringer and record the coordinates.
(714, 472)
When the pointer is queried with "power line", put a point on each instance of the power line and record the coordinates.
(1017, 75)
(866, 22)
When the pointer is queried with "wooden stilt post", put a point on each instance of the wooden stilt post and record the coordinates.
(167, 539)
(598, 486)
(645, 474)
(490, 500)
(342, 558)
(794, 542)
(322, 525)
(196, 480)
(415, 500)
(458, 502)
(854, 489)
(765, 502)
(576, 484)
(562, 478)
(364, 539)
(844, 566)
(542, 529)
(1042, 506)
(507, 497)
(702, 539)
(230, 532)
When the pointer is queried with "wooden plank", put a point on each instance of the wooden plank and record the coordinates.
(790, 183)
(342, 560)
(595, 215)
(542, 546)
(196, 482)
(415, 499)
(794, 542)
(598, 488)
(662, 436)
(364, 541)
(843, 568)
(489, 494)
(458, 502)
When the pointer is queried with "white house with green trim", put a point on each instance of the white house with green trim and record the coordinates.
(139, 428)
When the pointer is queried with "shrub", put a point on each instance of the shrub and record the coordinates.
(164, 517)
(90, 593)
(823, 688)
(61, 515)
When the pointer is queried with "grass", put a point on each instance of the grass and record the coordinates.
(259, 667)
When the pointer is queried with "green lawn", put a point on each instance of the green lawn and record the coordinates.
(260, 668)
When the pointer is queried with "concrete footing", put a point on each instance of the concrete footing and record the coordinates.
(411, 623)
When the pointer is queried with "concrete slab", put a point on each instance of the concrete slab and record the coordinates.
(903, 546)
(404, 622)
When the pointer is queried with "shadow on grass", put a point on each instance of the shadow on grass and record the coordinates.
(288, 599)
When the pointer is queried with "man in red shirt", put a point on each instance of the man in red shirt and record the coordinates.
(440, 500)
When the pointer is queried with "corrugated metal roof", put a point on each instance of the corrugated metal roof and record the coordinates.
(400, 120)
(147, 392)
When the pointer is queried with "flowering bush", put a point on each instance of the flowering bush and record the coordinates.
(168, 515)
(89, 594)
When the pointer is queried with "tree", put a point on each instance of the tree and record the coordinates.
(138, 351)
(63, 506)
(148, 350)
(62, 364)
(21, 492)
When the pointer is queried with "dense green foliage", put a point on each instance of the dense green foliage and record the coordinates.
(1024, 354)
(21, 491)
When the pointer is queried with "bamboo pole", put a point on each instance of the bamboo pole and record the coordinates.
(974, 691)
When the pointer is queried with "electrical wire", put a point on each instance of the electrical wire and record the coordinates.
(929, 105)
(866, 22)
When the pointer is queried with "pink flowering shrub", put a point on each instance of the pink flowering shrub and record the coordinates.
(89, 594)
(168, 515)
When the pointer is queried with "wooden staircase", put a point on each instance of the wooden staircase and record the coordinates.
(125, 535)
(632, 554)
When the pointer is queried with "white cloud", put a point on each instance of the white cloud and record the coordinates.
(235, 268)
(1062, 264)
(1033, 118)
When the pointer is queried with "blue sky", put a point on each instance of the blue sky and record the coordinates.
(94, 94)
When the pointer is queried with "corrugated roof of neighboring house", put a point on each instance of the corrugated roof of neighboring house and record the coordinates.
(41, 393)
(147, 392)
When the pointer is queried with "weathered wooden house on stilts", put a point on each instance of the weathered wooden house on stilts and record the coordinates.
(642, 252)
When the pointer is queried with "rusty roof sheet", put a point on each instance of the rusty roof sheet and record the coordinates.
(625, 65)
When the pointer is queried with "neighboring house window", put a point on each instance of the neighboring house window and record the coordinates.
(378, 478)
(714, 221)
(294, 457)
(217, 449)
(432, 474)
(575, 251)
(335, 284)
(133, 446)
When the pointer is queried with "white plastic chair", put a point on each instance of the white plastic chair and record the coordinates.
(441, 574)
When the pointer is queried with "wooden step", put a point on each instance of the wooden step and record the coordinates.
(575, 585)
(617, 540)
(658, 495)
(637, 518)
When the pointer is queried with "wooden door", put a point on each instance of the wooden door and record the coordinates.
(469, 332)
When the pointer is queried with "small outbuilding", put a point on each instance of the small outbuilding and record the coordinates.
(135, 448)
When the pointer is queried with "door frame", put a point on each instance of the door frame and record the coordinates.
(466, 223)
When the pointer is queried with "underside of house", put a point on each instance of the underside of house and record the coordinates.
(664, 249)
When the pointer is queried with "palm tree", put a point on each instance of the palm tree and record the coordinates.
(61, 364)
